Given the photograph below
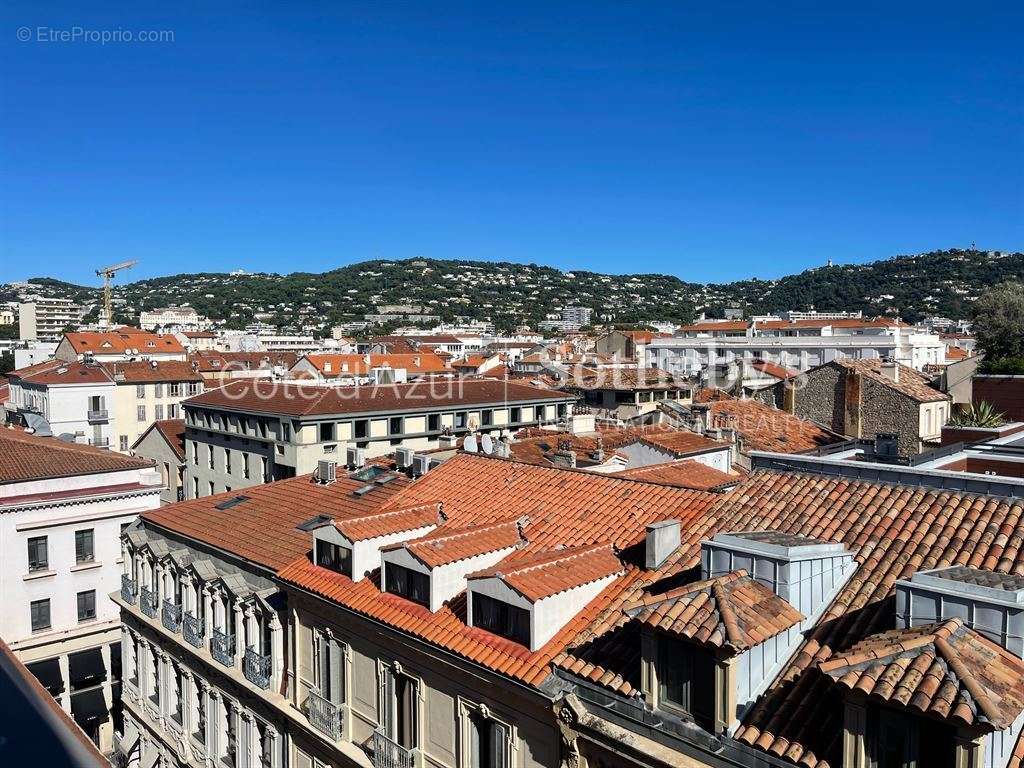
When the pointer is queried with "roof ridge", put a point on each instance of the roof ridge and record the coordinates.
(725, 611)
(966, 677)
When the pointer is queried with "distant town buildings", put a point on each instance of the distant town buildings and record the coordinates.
(173, 320)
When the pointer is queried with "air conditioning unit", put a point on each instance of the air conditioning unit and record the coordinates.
(355, 457)
(403, 457)
(326, 471)
(420, 465)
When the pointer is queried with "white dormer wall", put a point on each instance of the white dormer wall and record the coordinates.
(366, 553)
(446, 581)
(548, 615)
(552, 613)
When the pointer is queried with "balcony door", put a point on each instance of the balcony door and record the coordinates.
(399, 708)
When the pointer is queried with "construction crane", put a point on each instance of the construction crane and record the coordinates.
(107, 273)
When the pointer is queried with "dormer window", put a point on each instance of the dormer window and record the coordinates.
(686, 680)
(501, 618)
(899, 740)
(334, 557)
(408, 583)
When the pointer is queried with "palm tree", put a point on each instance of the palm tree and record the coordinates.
(980, 415)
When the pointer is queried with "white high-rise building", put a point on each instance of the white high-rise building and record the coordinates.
(47, 319)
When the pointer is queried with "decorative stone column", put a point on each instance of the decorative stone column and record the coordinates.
(276, 653)
(212, 726)
(239, 632)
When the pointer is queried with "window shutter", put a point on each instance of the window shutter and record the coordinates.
(386, 696)
(306, 649)
(500, 737)
(337, 682)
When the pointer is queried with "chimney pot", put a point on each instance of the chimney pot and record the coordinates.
(663, 539)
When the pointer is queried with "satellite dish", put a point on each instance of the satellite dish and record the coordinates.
(486, 444)
(469, 446)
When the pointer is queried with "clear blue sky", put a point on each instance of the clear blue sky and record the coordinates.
(713, 141)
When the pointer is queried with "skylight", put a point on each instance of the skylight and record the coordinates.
(233, 502)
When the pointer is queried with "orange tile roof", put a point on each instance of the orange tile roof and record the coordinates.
(385, 522)
(361, 365)
(149, 371)
(774, 369)
(122, 340)
(263, 529)
(25, 457)
(173, 433)
(894, 530)
(212, 361)
(446, 545)
(293, 399)
(564, 508)
(911, 383)
(680, 442)
(731, 611)
(763, 428)
(60, 372)
(684, 473)
(945, 670)
(955, 353)
(547, 573)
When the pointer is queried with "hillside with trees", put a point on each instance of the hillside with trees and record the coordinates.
(944, 283)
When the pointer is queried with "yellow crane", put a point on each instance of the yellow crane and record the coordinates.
(107, 273)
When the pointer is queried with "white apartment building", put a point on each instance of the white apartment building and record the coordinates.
(108, 405)
(578, 316)
(63, 398)
(174, 320)
(63, 508)
(798, 344)
(46, 319)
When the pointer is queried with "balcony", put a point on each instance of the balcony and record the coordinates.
(171, 616)
(388, 753)
(97, 417)
(256, 668)
(129, 589)
(323, 715)
(100, 442)
(222, 647)
(147, 602)
(194, 630)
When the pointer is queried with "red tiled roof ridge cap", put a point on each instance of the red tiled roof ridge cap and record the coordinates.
(540, 560)
(388, 512)
(686, 589)
(443, 533)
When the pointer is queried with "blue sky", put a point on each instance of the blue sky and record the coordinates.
(707, 140)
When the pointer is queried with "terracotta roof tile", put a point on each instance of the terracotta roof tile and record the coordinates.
(446, 545)
(731, 611)
(684, 473)
(25, 457)
(172, 431)
(291, 399)
(945, 670)
(910, 382)
(544, 574)
(122, 340)
(148, 371)
(384, 522)
(361, 365)
(763, 428)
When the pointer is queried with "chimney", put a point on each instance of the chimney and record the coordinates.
(662, 540)
(852, 404)
(891, 370)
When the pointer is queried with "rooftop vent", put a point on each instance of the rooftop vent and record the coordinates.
(229, 503)
(991, 603)
(362, 490)
(804, 571)
(887, 445)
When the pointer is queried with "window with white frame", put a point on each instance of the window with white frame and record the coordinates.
(399, 706)
(486, 741)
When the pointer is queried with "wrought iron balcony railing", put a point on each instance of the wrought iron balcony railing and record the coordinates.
(324, 715)
(147, 601)
(222, 647)
(388, 753)
(256, 667)
(129, 589)
(171, 616)
(194, 629)
(99, 414)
